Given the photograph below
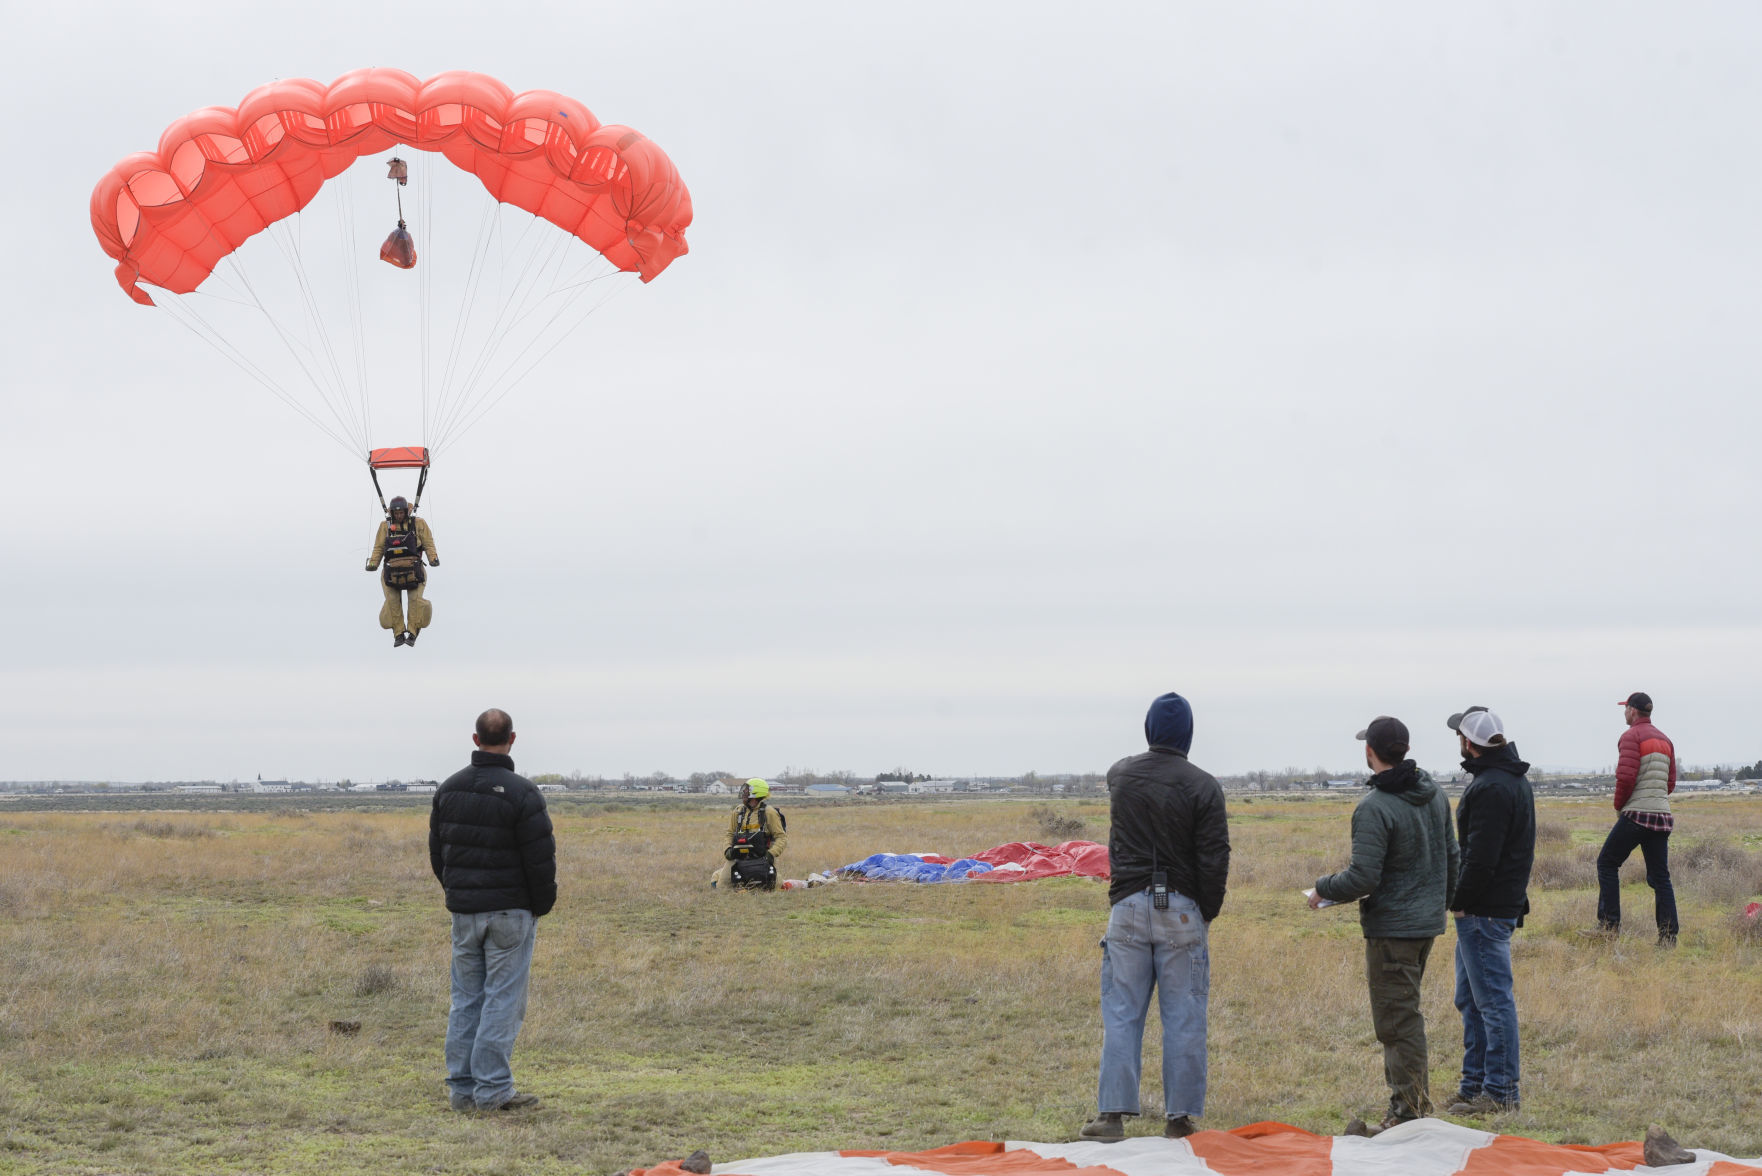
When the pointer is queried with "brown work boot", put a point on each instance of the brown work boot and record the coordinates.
(1481, 1104)
(1178, 1127)
(516, 1102)
(1107, 1127)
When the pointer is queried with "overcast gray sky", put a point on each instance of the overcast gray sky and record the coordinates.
(1313, 360)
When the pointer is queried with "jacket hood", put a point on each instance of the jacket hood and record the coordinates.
(1497, 757)
(1170, 723)
(1408, 781)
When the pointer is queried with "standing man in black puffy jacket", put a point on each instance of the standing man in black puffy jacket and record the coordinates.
(1496, 825)
(490, 844)
(1169, 851)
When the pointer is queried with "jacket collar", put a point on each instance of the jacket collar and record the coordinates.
(490, 759)
(1504, 756)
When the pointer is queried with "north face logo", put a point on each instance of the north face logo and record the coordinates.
(498, 788)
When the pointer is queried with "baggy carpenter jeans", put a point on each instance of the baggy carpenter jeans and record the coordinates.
(1486, 996)
(1654, 846)
(492, 959)
(1168, 950)
(1394, 969)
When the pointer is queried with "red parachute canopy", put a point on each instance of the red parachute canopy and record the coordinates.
(222, 175)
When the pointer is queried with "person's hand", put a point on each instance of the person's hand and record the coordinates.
(434, 563)
(729, 853)
(370, 567)
(1315, 900)
(1455, 914)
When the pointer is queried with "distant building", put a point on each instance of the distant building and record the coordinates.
(922, 786)
(831, 791)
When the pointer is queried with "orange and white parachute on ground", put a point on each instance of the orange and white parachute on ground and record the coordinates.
(1424, 1147)
(223, 174)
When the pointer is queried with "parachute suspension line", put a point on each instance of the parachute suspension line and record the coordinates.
(348, 241)
(293, 347)
(508, 385)
(188, 317)
(485, 233)
(452, 393)
(469, 396)
(292, 249)
(522, 290)
(425, 203)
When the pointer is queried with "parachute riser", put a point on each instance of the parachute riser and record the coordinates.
(421, 484)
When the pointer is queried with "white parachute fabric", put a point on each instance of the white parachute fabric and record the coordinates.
(1424, 1147)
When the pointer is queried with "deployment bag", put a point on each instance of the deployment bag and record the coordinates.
(755, 873)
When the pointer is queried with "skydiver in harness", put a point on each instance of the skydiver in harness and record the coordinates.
(756, 836)
(403, 539)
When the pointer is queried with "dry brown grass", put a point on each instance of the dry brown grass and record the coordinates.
(170, 992)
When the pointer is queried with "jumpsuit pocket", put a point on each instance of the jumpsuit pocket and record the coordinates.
(506, 929)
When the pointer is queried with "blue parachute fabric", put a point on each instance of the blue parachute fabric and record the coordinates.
(909, 867)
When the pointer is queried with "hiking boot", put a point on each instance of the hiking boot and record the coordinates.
(410, 638)
(1666, 939)
(1178, 1127)
(516, 1101)
(1481, 1104)
(461, 1102)
(1106, 1127)
(397, 640)
(1605, 932)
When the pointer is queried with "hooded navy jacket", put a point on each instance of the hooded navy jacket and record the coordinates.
(1168, 815)
(490, 842)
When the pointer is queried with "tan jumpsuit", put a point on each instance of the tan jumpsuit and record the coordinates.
(391, 616)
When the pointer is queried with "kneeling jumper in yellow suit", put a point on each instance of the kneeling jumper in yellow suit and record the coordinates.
(751, 817)
(403, 540)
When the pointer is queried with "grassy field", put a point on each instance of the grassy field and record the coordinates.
(170, 978)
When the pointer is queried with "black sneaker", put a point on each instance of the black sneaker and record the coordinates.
(1178, 1127)
(1666, 939)
(398, 640)
(1106, 1127)
(409, 638)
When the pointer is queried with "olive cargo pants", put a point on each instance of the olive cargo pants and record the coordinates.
(1394, 969)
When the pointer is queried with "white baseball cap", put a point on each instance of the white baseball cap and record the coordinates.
(1482, 728)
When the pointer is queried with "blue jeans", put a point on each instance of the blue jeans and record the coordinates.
(1487, 998)
(1146, 948)
(1654, 845)
(492, 958)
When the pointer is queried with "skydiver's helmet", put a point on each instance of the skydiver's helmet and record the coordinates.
(399, 505)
